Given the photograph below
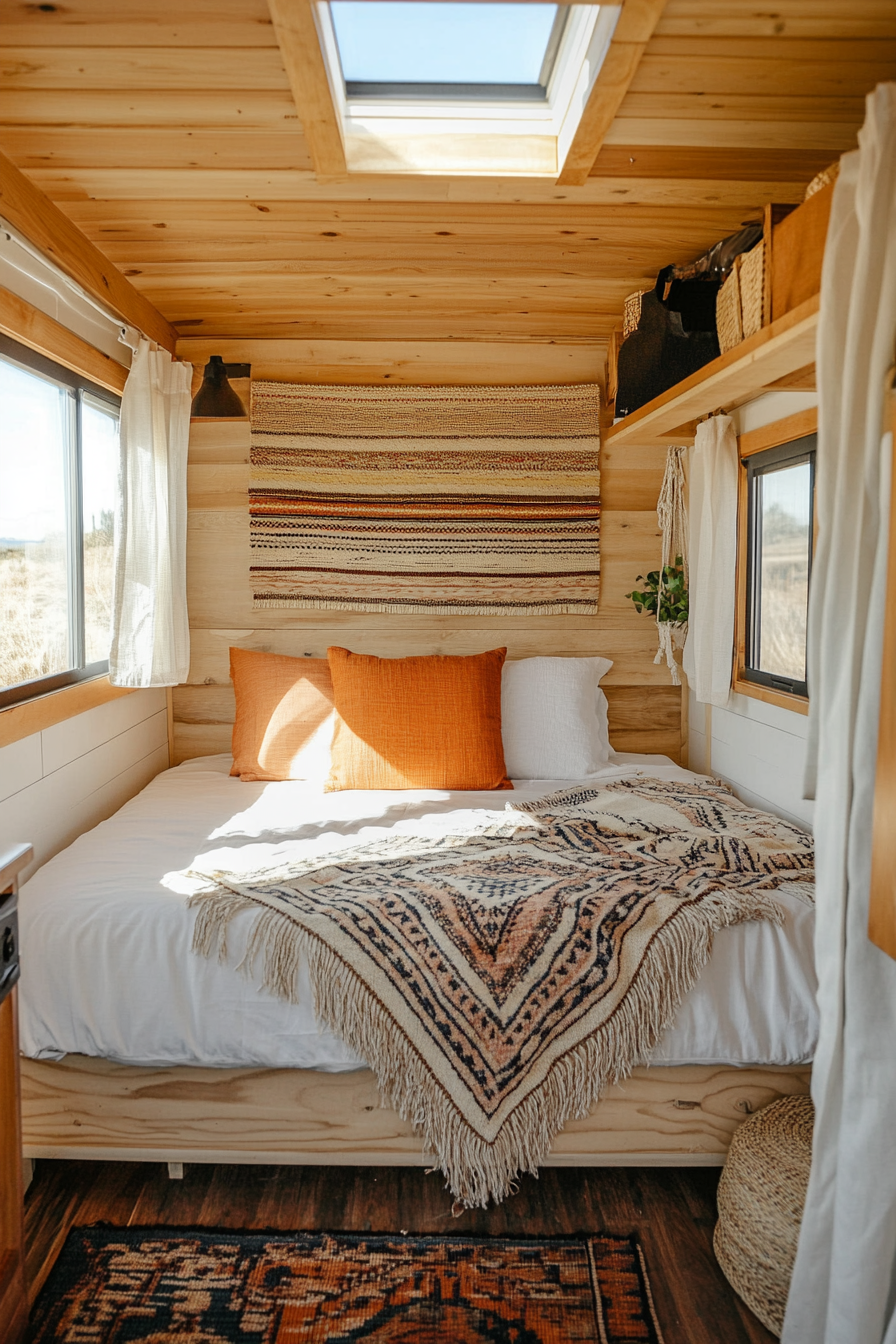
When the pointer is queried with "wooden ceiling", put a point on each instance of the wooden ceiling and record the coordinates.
(169, 135)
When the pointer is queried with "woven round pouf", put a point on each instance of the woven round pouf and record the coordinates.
(761, 1196)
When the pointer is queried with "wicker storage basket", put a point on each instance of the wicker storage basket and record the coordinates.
(739, 304)
(631, 313)
(761, 1196)
(823, 179)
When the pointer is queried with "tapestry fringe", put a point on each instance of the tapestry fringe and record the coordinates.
(478, 1169)
(428, 608)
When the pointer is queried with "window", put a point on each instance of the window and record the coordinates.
(459, 88)
(400, 48)
(778, 489)
(58, 473)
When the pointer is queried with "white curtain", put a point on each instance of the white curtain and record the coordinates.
(844, 1283)
(712, 561)
(150, 632)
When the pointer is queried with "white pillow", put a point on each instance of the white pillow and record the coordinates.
(554, 717)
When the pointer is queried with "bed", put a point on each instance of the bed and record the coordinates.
(136, 1049)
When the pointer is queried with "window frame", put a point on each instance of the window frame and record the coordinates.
(780, 435)
(16, 352)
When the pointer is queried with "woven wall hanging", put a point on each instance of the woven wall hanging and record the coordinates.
(439, 500)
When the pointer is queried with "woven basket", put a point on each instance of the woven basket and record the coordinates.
(631, 313)
(823, 179)
(761, 1196)
(739, 302)
(752, 283)
(729, 323)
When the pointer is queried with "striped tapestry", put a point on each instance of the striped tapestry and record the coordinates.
(443, 500)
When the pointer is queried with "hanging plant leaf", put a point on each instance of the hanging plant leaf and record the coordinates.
(668, 593)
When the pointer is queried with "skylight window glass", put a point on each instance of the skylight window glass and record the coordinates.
(401, 42)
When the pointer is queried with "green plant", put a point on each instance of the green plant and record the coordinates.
(672, 598)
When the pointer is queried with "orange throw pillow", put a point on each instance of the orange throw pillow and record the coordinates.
(284, 716)
(417, 723)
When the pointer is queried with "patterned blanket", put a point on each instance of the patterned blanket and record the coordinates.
(497, 980)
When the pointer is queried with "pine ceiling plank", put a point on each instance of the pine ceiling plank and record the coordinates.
(296, 30)
(362, 287)
(710, 161)
(393, 268)
(30, 211)
(220, 108)
(642, 152)
(786, 18)
(717, 107)
(377, 326)
(272, 186)
(405, 361)
(167, 30)
(370, 215)
(225, 109)
(633, 31)
(398, 260)
(743, 107)
(692, 133)
(158, 68)
(156, 147)
(59, 23)
(779, 50)
(733, 73)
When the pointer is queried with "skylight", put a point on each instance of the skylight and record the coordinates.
(402, 47)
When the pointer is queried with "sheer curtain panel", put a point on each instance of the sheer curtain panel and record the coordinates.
(844, 1284)
(150, 631)
(712, 564)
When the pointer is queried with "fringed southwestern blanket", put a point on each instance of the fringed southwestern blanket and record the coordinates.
(496, 981)
(440, 500)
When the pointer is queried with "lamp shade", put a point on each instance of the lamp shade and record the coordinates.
(216, 398)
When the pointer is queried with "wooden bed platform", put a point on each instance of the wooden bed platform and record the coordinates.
(81, 1107)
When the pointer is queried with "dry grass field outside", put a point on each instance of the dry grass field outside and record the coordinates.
(784, 594)
(34, 604)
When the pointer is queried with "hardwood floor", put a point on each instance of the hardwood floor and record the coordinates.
(673, 1211)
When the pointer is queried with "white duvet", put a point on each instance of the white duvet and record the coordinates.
(106, 931)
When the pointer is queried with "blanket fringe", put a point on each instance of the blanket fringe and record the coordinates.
(479, 1169)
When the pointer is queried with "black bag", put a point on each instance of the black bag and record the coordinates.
(691, 290)
(658, 354)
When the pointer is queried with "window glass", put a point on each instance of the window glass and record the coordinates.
(35, 428)
(780, 522)
(99, 469)
(784, 521)
(401, 41)
(58, 485)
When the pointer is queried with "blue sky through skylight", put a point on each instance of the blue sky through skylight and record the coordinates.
(441, 43)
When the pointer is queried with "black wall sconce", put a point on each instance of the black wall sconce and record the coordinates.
(216, 399)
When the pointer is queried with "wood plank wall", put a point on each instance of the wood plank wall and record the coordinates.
(645, 710)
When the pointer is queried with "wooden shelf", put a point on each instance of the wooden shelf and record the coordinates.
(765, 361)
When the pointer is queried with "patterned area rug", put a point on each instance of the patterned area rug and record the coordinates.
(112, 1285)
(441, 500)
(497, 978)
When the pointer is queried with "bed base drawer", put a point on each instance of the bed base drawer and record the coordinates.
(82, 1107)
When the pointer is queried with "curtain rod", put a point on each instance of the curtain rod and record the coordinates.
(127, 334)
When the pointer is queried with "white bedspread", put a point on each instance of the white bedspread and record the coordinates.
(105, 932)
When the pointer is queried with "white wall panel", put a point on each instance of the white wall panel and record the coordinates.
(61, 782)
(761, 757)
(66, 741)
(20, 765)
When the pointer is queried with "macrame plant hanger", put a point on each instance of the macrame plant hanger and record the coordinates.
(671, 512)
